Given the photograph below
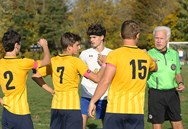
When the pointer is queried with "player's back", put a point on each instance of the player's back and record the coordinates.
(129, 82)
(13, 75)
(132, 66)
(66, 71)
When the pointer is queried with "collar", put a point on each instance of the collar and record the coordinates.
(63, 55)
(98, 51)
(167, 50)
(129, 46)
(10, 57)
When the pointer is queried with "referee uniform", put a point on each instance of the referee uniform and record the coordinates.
(163, 99)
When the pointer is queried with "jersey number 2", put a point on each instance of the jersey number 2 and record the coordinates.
(9, 75)
(141, 75)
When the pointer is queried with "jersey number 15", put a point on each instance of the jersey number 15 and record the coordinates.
(141, 67)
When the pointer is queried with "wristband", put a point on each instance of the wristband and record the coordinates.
(180, 83)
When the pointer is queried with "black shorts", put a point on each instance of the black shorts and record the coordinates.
(123, 121)
(163, 105)
(66, 119)
(14, 121)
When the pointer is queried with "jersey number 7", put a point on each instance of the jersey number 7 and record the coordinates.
(61, 70)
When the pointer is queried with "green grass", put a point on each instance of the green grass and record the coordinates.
(40, 103)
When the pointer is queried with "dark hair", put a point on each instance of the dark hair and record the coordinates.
(68, 39)
(129, 29)
(10, 38)
(96, 29)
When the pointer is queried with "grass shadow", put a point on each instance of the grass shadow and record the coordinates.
(92, 126)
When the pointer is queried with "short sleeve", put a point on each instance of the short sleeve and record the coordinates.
(28, 63)
(111, 59)
(81, 66)
(46, 70)
(152, 65)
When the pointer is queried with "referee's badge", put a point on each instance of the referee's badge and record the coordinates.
(173, 67)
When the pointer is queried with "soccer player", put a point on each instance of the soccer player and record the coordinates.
(13, 76)
(65, 70)
(125, 76)
(163, 98)
(97, 34)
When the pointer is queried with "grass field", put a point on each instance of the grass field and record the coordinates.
(40, 102)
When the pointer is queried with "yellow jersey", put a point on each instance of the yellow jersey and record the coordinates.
(13, 77)
(66, 71)
(127, 90)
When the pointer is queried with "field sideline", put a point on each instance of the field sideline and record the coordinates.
(40, 102)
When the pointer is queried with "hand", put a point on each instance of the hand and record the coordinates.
(1, 101)
(181, 87)
(101, 59)
(145, 50)
(48, 89)
(91, 110)
(42, 42)
(155, 59)
(52, 92)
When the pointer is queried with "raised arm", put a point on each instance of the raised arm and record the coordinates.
(46, 59)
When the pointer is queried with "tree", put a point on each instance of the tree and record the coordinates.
(34, 19)
(53, 21)
(99, 11)
(5, 20)
(151, 13)
(49, 18)
(182, 18)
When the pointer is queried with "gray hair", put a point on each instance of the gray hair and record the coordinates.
(159, 28)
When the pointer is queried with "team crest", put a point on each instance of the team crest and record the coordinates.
(173, 67)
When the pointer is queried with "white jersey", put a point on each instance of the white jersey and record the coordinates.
(90, 56)
(180, 53)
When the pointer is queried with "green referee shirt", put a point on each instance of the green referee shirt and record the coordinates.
(168, 67)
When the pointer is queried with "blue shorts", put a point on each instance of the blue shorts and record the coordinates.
(66, 119)
(100, 107)
(180, 57)
(123, 121)
(13, 121)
